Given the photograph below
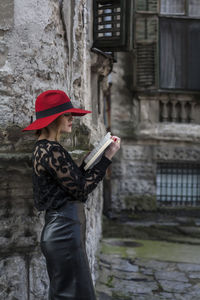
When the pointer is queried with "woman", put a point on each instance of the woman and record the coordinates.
(60, 188)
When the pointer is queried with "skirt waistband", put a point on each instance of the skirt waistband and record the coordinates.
(72, 209)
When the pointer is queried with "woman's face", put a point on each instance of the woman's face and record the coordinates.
(66, 122)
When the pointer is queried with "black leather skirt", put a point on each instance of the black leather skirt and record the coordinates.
(63, 245)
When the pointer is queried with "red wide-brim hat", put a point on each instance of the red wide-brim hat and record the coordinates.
(51, 104)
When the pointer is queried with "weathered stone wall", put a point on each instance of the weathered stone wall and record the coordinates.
(145, 140)
(44, 44)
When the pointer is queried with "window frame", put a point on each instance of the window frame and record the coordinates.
(174, 16)
(177, 165)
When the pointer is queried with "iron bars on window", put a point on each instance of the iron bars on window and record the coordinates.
(178, 184)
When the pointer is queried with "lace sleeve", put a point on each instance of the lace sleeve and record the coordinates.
(58, 162)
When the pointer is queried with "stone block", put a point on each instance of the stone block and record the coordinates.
(139, 170)
(13, 278)
(117, 170)
(137, 152)
(174, 153)
(149, 111)
(140, 202)
(6, 14)
(138, 187)
(3, 54)
(38, 277)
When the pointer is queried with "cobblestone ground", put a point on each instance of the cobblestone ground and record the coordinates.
(150, 269)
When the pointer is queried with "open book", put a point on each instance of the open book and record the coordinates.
(96, 154)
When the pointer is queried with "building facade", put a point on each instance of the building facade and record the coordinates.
(155, 109)
(44, 44)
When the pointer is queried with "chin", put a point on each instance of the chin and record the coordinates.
(68, 130)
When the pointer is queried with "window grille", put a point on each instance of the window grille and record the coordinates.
(178, 184)
(112, 23)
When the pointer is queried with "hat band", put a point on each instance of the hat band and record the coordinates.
(53, 110)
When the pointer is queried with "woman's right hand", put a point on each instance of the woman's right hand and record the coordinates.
(113, 147)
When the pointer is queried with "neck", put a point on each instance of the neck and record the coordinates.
(49, 137)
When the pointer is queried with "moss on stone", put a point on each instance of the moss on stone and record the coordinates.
(119, 295)
(141, 202)
(109, 281)
(159, 250)
(110, 250)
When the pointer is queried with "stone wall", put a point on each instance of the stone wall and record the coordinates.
(147, 139)
(44, 44)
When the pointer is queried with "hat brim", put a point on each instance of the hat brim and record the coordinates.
(43, 122)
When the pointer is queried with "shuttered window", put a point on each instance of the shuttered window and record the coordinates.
(147, 5)
(179, 45)
(146, 32)
(112, 26)
(167, 45)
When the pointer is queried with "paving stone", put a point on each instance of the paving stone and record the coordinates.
(194, 275)
(175, 296)
(186, 267)
(137, 278)
(185, 297)
(134, 287)
(146, 297)
(102, 288)
(166, 296)
(103, 296)
(174, 286)
(167, 275)
(123, 265)
(152, 264)
(120, 274)
(195, 290)
(146, 271)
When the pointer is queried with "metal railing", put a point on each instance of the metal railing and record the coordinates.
(178, 184)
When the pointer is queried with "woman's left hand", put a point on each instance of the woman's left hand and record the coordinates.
(113, 147)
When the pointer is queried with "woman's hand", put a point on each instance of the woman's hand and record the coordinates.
(113, 147)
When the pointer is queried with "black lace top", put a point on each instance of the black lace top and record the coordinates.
(57, 178)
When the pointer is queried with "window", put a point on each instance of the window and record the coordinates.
(178, 184)
(167, 45)
(179, 44)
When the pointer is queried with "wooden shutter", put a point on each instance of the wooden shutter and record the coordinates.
(112, 26)
(147, 5)
(146, 37)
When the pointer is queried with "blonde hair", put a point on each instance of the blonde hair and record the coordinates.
(55, 123)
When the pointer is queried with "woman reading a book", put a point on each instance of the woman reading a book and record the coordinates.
(60, 189)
